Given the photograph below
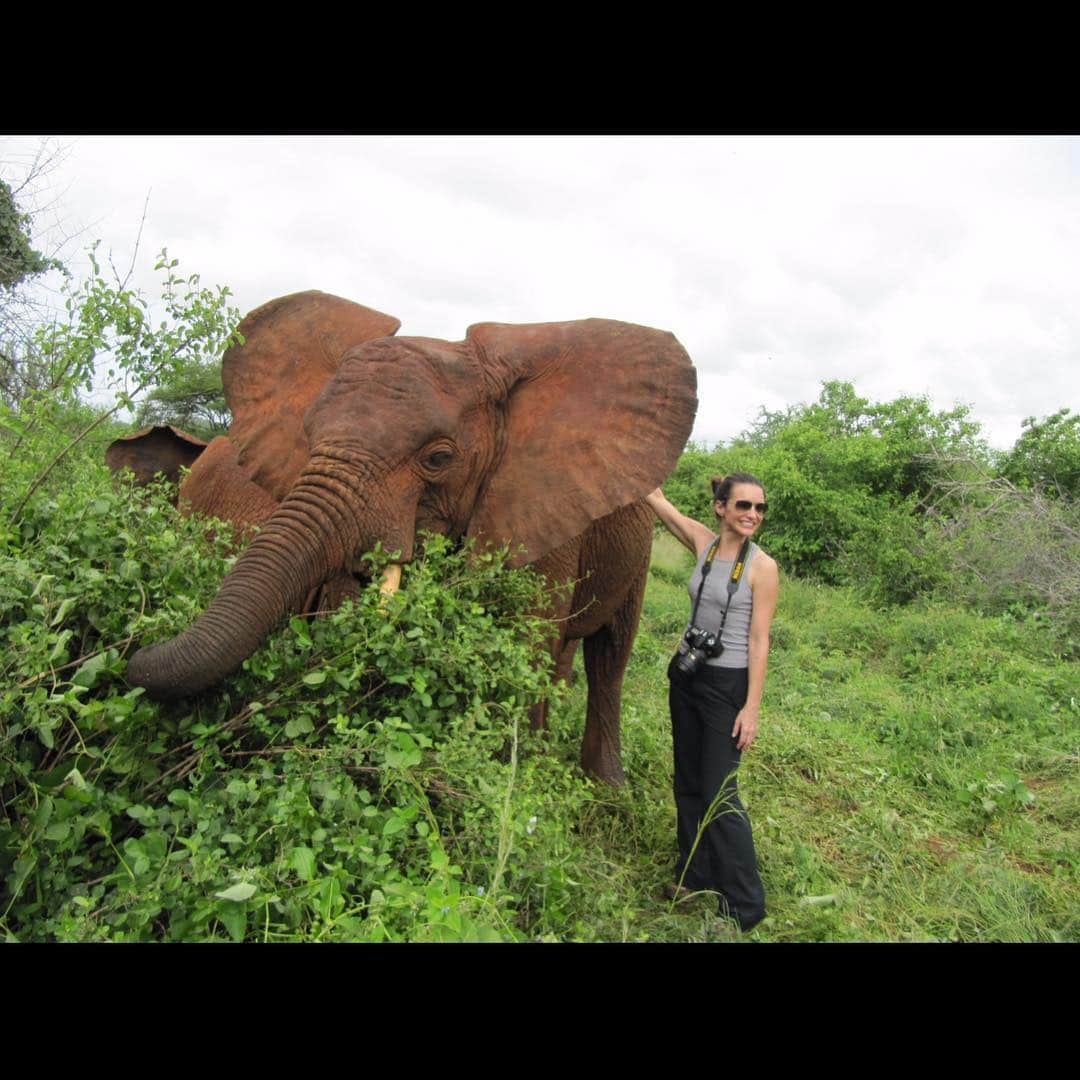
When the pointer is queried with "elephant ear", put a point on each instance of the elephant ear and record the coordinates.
(218, 487)
(151, 450)
(291, 348)
(597, 413)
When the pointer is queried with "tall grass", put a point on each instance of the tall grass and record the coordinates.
(915, 779)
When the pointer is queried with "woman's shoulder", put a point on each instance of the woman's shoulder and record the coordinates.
(763, 566)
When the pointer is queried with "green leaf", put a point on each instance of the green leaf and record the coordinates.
(59, 650)
(235, 919)
(475, 932)
(315, 678)
(88, 673)
(75, 778)
(393, 824)
(301, 725)
(302, 860)
(240, 892)
(330, 897)
(63, 610)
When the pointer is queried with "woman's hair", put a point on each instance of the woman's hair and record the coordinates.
(721, 485)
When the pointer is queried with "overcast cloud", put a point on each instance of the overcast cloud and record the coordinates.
(945, 265)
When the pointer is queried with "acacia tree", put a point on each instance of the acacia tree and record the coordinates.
(192, 398)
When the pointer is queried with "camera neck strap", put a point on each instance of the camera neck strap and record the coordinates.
(737, 568)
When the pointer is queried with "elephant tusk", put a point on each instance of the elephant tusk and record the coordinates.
(391, 581)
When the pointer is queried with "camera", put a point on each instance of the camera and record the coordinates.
(696, 647)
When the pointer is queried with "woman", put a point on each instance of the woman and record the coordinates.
(714, 708)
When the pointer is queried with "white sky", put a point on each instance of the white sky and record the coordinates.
(944, 265)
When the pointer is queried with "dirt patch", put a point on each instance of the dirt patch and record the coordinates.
(1027, 867)
(1035, 782)
(940, 849)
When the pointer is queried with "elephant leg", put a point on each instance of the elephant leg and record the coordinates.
(335, 592)
(563, 656)
(559, 566)
(564, 665)
(607, 653)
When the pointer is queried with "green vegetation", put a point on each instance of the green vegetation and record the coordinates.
(372, 775)
(355, 781)
(915, 778)
(844, 478)
(108, 332)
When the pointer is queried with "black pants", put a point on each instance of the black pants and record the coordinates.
(703, 711)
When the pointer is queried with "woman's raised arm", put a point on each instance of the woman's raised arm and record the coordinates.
(687, 531)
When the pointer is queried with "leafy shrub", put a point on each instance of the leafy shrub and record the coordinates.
(304, 798)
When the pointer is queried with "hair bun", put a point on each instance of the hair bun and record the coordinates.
(722, 485)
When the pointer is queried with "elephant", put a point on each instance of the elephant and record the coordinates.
(162, 449)
(544, 436)
(216, 486)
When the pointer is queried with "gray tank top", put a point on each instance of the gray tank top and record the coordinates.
(736, 638)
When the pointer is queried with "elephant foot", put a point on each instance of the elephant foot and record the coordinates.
(326, 598)
(607, 769)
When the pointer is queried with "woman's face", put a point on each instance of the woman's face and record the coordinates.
(743, 522)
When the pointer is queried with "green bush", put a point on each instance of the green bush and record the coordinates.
(352, 781)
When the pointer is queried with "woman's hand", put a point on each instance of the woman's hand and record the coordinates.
(690, 533)
(745, 729)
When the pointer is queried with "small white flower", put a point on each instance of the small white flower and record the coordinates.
(530, 825)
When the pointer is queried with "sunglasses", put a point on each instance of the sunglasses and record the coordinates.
(746, 504)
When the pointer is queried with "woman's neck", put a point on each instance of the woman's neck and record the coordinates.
(730, 543)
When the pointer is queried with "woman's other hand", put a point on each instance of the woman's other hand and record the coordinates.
(746, 727)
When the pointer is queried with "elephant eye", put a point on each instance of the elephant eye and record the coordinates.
(438, 459)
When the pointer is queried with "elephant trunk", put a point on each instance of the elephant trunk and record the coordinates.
(312, 534)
